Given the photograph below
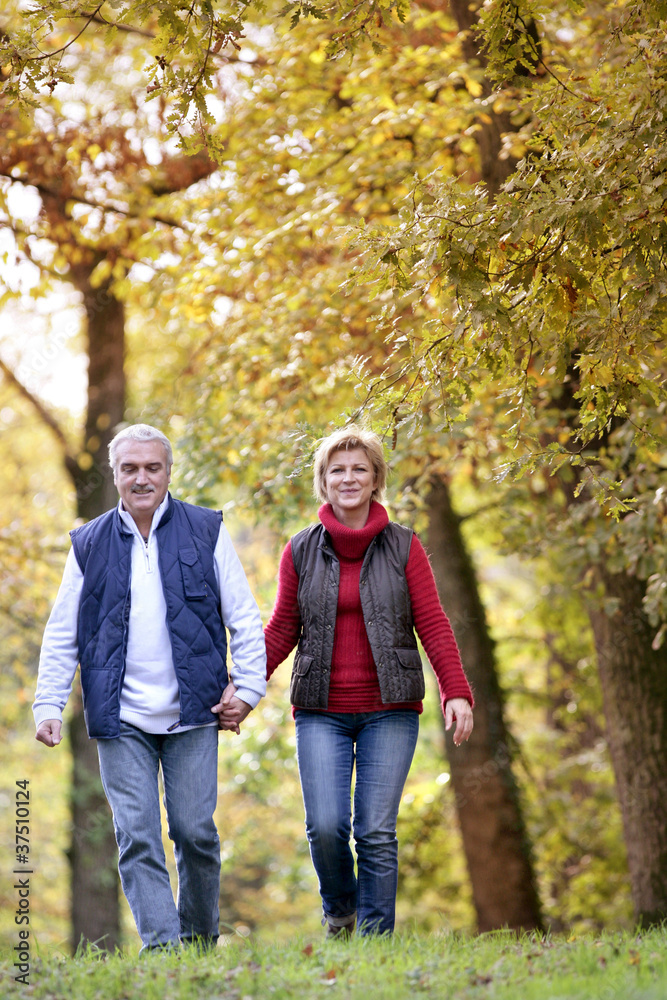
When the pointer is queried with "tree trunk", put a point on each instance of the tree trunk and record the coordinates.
(494, 836)
(634, 687)
(93, 853)
(105, 322)
(494, 168)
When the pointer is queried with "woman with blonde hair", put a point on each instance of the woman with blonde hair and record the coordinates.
(352, 590)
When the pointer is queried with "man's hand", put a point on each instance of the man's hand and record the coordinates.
(459, 708)
(49, 732)
(231, 711)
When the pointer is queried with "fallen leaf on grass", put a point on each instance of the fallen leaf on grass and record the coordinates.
(479, 980)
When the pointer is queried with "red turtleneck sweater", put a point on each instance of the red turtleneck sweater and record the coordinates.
(354, 685)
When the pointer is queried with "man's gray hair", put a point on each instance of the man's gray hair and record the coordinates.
(139, 432)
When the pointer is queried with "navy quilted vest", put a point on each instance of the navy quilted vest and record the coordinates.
(187, 537)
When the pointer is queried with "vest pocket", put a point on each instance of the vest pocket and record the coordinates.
(408, 682)
(409, 658)
(192, 572)
(302, 664)
(301, 695)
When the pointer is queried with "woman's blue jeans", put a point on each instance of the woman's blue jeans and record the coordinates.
(129, 767)
(381, 745)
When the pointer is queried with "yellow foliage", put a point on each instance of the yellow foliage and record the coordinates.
(602, 375)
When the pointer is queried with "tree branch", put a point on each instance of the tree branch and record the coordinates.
(45, 417)
(82, 200)
(131, 29)
(24, 246)
(63, 48)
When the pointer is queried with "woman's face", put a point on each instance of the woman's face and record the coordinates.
(349, 482)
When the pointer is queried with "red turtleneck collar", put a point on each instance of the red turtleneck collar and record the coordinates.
(351, 543)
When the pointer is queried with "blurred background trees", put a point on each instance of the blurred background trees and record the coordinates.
(453, 230)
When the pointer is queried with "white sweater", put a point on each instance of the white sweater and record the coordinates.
(149, 697)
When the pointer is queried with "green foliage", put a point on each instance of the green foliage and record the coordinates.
(21, 759)
(554, 295)
(187, 45)
(184, 42)
(548, 671)
(273, 337)
(33, 544)
(435, 965)
(547, 306)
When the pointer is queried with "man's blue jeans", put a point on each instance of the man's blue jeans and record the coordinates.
(129, 768)
(382, 745)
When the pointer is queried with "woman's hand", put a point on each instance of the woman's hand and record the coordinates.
(459, 709)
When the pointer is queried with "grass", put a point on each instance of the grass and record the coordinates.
(497, 966)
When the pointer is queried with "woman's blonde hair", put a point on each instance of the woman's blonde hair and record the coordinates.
(347, 439)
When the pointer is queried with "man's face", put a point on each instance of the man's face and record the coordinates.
(141, 477)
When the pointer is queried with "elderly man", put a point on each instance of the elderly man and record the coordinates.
(148, 592)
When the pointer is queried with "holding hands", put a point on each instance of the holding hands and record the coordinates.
(231, 711)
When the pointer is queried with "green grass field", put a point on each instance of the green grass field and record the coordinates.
(496, 966)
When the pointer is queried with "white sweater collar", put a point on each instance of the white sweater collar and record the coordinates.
(129, 521)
